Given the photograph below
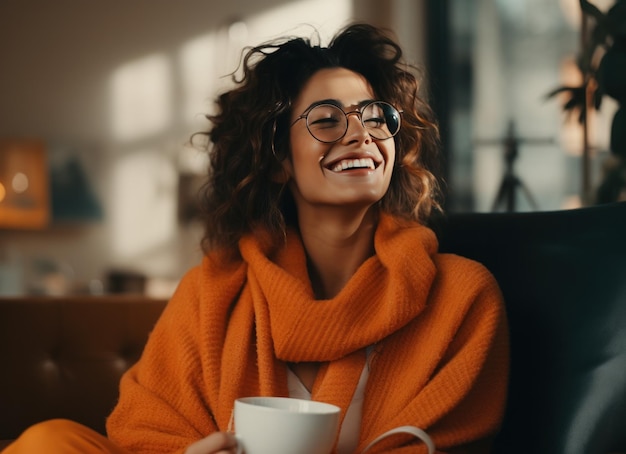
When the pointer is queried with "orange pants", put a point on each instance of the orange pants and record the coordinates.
(61, 436)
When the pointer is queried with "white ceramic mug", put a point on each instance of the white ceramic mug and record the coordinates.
(271, 425)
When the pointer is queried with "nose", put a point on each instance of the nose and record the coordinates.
(356, 130)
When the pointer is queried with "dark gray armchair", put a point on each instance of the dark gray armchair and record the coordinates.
(563, 275)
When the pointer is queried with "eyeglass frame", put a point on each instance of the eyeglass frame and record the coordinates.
(358, 111)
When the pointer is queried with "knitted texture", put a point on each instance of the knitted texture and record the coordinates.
(436, 321)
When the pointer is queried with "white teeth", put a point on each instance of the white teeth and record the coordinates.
(365, 163)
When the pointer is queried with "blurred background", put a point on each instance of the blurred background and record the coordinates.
(98, 101)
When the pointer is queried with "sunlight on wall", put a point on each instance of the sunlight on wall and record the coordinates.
(198, 73)
(192, 160)
(325, 15)
(144, 194)
(207, 61)
(141, 94)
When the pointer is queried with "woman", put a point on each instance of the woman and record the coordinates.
(321, 278)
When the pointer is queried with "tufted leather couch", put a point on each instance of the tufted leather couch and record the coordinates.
(63, 357)
(563, 275)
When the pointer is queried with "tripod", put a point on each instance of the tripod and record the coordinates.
(506, 196)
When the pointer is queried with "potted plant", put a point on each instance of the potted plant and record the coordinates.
(602, 62)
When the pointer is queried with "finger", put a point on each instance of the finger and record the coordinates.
(215, 443)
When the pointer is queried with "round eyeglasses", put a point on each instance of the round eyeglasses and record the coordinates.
(328, 123)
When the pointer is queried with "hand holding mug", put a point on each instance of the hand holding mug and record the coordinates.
(282, 425)
(216, 443)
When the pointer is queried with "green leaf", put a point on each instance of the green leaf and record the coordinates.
(597, 98)
(561, 90)
(599, 35)
(571, 104)
(591, 10)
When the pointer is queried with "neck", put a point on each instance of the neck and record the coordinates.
(336, 247)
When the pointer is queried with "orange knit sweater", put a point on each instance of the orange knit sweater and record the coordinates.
(436, 321)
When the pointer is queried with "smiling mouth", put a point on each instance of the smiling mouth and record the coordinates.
(351, 164)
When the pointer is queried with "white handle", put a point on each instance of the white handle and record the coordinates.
(415, 431)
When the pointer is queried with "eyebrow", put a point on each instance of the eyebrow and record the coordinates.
(335, 102)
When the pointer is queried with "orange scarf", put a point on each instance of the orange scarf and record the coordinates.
(436, 323)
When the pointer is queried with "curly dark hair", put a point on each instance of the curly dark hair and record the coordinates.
(250, 133)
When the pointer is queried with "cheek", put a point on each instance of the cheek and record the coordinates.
(305, 154)
(389, 151)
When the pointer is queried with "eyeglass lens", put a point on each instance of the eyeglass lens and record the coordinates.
(329, 123)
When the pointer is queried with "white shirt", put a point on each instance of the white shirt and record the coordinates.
(351, 426)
